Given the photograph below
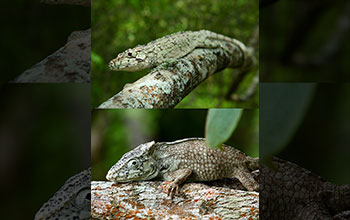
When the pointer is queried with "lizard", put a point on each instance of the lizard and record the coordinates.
(183, 160)
(170, 48)
(71, 201)
(290, 192)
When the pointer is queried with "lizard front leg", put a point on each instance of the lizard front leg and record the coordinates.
(176, 178)
(247, 180)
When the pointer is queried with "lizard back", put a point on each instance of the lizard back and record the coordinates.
(168, 49)
(289, 191)
(206, 163)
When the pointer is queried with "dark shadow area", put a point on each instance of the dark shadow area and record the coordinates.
(314, 184)
(304, 41)
(45, 139)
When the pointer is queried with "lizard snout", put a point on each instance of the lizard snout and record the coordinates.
(111, 64)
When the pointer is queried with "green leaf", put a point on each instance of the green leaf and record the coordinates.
(220, 125)
(282, 109)
(95, 58)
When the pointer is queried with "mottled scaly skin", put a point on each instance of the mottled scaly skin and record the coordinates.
(168, 49)
(71, 202)
(290, 192)
(188, 159)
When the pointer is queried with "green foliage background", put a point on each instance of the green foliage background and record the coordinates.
(121, 24)
(115, 132)
(277, 34)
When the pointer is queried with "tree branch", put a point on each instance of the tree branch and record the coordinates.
(70, 63)
(166, 85)
(146, 199)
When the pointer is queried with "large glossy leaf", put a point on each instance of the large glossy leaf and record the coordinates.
(220, 125)
(282, 109)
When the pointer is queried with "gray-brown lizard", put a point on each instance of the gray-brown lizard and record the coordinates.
(170, 48)
(290, 192)
(186, 159)
(71, 201)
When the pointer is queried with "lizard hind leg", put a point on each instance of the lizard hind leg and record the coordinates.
(247, 180)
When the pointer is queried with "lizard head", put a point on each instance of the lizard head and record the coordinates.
(72, 201)
(135, 165)
(130, 60)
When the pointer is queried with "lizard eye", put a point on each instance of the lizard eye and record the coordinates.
(164, 168)
(130, 54)
(83, 197)
(133, 163)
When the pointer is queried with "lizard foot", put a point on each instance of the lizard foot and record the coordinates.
(171, 188)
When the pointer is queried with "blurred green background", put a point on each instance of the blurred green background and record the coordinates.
(45, 139)
(115, 132)
(305, 41)
(307, 124)
(31, 31)
(121, 24)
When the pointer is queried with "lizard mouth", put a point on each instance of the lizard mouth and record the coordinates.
(130, 176)
(111, 65)
(117, 65)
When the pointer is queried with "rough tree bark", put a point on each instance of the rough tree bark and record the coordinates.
(147, 200)
(71, 63)
(166, 85)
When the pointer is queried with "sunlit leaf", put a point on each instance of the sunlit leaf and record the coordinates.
(97, 59)
(282, 108)
(220, 125)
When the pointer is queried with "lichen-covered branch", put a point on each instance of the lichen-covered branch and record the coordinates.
(147, 200)
(68, 2)
(250, 91)
(70, 63)
(166, 85)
